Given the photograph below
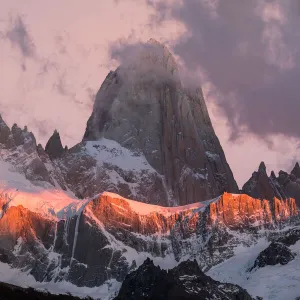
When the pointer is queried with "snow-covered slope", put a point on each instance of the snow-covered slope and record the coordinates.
(270, 282)
(93, 167)
(87, 169)
(49, 202)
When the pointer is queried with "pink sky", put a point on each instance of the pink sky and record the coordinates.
(52, 85)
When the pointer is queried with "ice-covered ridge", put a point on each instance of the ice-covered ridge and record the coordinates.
(145, 209)
(49, 203)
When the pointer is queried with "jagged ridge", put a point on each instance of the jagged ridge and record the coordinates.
(110, 235)
(285, 186)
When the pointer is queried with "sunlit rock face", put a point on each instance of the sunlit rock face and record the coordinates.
(238, 211)
(145, 108)
(89, 242)
(285, 186)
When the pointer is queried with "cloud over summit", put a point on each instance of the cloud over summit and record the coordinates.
(249, 52)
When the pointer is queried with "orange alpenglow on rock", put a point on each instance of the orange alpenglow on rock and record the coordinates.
(113, 211)
(242, 210)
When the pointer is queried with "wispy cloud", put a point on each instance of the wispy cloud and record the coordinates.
(19, 36)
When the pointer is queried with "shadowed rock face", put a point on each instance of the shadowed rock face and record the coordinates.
(4, 132)
(261, 186)
(9, 292)
(288, 237)
(54, 146)
(285, 186)
(186, 281)
(155, 115)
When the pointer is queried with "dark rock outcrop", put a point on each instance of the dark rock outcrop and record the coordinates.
(9, 291)
(288, 237)
(296, 171)
(54, 146)
(5, 134)
(186, 281)
(276, 253)
(156, 116)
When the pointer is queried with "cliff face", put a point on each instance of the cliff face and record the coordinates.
(237, 211)
(145, 108)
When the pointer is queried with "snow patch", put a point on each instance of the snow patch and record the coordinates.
(111, 152)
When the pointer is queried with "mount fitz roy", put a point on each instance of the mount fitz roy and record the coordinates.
(148, 189)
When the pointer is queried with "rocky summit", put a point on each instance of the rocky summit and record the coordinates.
(147, 110)
(145, 206)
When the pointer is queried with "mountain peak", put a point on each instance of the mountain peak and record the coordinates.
(156, 43)
(150, 61)
(143, 108)
(262, 167)
(2, 122)
(54, 146)
(296, 170)
(5, 133)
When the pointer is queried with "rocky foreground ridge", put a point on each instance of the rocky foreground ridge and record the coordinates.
(184, 282)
